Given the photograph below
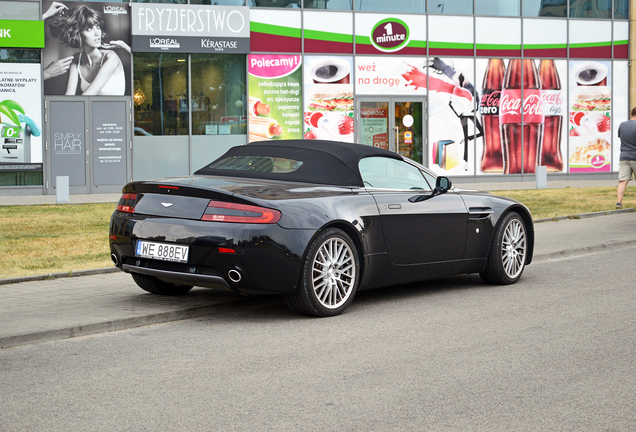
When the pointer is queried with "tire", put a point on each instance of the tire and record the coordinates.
(329, 277)
(507, 258)
(156, 286)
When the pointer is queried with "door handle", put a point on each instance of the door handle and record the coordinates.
(395, 206)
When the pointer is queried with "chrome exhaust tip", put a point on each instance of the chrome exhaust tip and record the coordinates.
(234, 275)
(114, 258)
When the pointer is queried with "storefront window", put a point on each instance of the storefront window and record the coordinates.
(19, 56)
(545, 8)
(21, 122)
(19, 10)
(406, 6)
(590, 8)
(160, 94)
(219, 2)
(497, 7)
(218, 94)
(451, 7)
(161, 1)
(293, 4)
(329, 4)
(620, 9)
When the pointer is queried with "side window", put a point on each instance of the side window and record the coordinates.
(387, 173)
(430, 178)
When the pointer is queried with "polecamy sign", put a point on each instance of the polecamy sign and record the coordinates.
(190, 28)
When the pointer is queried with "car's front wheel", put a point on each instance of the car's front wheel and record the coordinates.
(156, 286)
(329, 278)
(507, 257)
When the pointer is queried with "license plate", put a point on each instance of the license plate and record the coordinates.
(162, 251)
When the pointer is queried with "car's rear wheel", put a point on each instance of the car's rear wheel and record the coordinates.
(507, 258)
(329, 278)
(156, 286)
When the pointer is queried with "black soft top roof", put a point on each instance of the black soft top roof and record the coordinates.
(324, 162)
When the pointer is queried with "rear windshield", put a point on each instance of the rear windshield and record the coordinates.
(263, 164)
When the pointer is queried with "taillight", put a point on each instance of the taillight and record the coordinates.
(218, 211)
(127, 203)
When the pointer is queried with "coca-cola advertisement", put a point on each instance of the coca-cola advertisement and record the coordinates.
(521, 110)
(590, 119)
(453, 103)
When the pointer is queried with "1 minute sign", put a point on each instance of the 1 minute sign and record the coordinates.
(390, 35)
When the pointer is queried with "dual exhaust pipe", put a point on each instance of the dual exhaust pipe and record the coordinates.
(233, 274)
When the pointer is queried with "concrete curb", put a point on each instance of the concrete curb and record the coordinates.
(224, 306)
(585, 215)
(52, 276)
(582, 251)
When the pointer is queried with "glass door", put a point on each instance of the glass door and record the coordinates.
(392, 123)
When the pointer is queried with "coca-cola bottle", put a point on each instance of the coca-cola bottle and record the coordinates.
(492, 158)
(551, 156)
(521, 150)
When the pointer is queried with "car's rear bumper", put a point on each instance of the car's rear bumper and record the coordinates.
(265, 258)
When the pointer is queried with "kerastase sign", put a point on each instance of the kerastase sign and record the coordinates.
(190, 28)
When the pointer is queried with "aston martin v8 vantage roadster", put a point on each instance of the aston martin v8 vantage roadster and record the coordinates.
(314, 221)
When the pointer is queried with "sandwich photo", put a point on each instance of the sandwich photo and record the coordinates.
(331, 98)
(592, 99)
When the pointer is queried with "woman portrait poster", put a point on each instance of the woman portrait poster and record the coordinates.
(87, 48)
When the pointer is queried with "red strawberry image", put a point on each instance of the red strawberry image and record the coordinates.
(574, 132)
(310, 135)
(345, 125)
(603, 124)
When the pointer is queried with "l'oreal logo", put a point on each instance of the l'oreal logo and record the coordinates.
(5, 33)
(390, 35)
(115, 10)
(164, 43)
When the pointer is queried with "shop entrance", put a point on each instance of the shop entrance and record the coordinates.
(89, 141)
(392, 123)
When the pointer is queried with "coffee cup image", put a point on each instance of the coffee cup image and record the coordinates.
(332, 70)
(591, 74)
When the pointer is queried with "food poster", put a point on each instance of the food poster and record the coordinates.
(390, 76)
(620, 106)
(20, 117)
(328, 90)
(451, 116)
(275, 99)
(590, 117)
(533, 90)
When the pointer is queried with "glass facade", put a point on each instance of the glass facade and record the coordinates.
(19, 10)
(620, 9)
(219, 96)
(329, 4)
(497, 7)
(451, 7)
(193, 105)
(545, 8)
(407, 6)
(160, 94)
(590, 8)
(19, 56)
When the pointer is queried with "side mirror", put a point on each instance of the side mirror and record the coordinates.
(442, 185)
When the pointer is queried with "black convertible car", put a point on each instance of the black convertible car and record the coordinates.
(314, 221)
